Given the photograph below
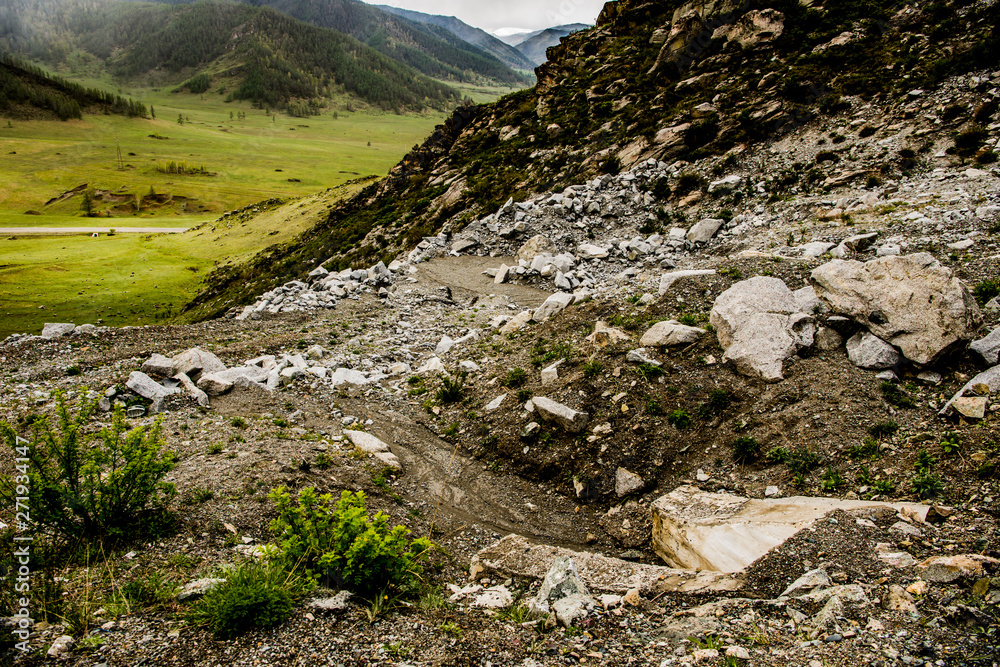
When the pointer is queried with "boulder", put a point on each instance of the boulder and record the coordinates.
(694, 529)
(192, 389)
(198, 588)
(704, 230)
(946, 569)
(725, 185)
(158, 365)
(372, 445)
(868, 351)
(988, 348)
(519, 321)
(197, 361)
(535, 246)
(561, 581)
(666, 334)
(591, 251)
(604, 336)
(552, 306)
(350, 376)
(568, 418)
(149, 389)
(53, 330)
(759, 325)
(214, 385)
(912, 302)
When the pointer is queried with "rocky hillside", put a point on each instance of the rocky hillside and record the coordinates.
(705, 91)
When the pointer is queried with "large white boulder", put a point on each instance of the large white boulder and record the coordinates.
(912, 302)
(669, 333)
(572, 420)
(759, 325)
(697, 530)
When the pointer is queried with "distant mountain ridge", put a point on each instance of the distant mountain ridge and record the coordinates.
(431, 50)
(506, 53)
(535, 45)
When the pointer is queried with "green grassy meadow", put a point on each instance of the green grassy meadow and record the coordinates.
(131, 279)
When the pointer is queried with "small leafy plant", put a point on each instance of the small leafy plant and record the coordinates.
(745, 449)
(951, 443)
(832, 480)
(516, 378)
(87, 485)
(343, 545)
(883, 429)
(255, 595)
(679, 419)
(896, 396)
(452, 389)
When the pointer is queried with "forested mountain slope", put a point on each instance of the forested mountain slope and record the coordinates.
(264, 56)
(506, 53)
(29, 92)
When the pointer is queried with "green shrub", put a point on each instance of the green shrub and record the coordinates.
(688, 320)
(802, 461)
(452, 389)
(896, 396)
(745, 449)
(343, 545)
(884, 487)
(679, 419)
(883, 429)
(149, 590)
(832, 480)
(239, 422)
(516, 377)
(777, 455)
(649, 371)
(986, 290)
(718, 401)
(256, 595)
(868, 449)
(592, 369)
(926, 485)
(83, 485)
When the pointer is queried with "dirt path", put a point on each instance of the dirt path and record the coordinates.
(464, 276)
(23, 231)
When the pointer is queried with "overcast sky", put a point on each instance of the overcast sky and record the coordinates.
(495, 15)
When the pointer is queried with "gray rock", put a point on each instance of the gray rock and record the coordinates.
(590, 251)
(196, 361)
(463, 245)
(759, 325)
(816, 249)
(913, 302)
(988, 348)
(705, 230)
(350, 376)
(536, 246)
(60, 646)
(552, 306)
(198, 588)
(561, 581)
(666, 334)
(550, 375)
(987, 382)
(860, 242)
(339, 602)
(571, 608)
(727, 184)
(641, 356)
(627, 482)
(214, 385)
(147, 387)
(809, 581)
(496, 403)
(871, 352)
(158, 365)
(899, 600)
(571, 420)
(828, 339)
(53, 330)
(85, 330)
(668, 279)
(372, 445)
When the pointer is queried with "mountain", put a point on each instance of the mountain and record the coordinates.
(30, 92)
(430, 49)
(256, 53)
(480, 38)
(534, 45)
(643, 86)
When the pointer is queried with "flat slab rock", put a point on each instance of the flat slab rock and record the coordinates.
(722, 532)
(514, 555)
